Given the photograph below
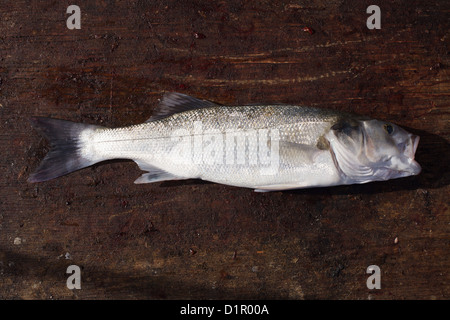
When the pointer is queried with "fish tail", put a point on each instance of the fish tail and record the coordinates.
(66, 146)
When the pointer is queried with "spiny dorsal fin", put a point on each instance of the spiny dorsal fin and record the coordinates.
(174, 102)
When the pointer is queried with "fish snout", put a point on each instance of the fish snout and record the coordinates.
(414, 167)
(405, 165)
(410, 147)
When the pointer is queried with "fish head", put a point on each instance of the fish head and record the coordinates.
(372, 150)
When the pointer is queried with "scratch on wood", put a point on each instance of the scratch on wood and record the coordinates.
(276, 81)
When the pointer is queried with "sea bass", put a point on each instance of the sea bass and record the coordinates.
(264, 147)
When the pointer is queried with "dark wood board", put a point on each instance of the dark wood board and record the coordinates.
(198, 240)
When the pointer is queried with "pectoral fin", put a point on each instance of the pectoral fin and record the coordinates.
(291, 153)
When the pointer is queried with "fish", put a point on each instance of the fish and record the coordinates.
(272, 147)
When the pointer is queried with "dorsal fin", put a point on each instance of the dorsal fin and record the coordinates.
(174, 102)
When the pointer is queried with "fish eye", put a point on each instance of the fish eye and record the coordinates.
(389, 129)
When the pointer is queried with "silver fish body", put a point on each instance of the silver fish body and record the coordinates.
(265, 147)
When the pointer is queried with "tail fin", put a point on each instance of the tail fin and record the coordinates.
(64, 156)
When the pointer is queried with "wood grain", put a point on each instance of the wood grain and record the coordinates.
(196, 240)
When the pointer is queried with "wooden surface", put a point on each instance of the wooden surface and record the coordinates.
(197, 240)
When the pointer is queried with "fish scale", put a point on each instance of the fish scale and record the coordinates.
(266, 147)
(152, 143)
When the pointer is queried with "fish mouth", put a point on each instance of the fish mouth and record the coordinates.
(416, 168)
(411, 147)
(413, 167)
(409, 167)
(405, 164)
(415, 140)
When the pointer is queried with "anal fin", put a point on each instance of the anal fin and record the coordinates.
(156, 176)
